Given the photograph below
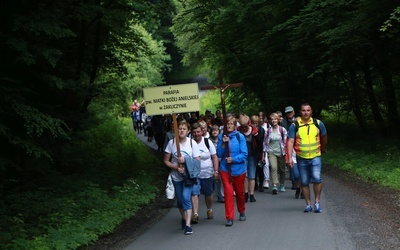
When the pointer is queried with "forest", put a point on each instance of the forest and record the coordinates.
(70, 70)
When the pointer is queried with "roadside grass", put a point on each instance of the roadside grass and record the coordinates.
(69, 211)
(367, 156)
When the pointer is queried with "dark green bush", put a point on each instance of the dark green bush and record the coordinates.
(118, 175)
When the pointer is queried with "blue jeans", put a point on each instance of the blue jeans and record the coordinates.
(251, 167)
(183, 194)
(310, 170)
(295, 173)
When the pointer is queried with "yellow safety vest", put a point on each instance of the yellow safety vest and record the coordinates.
(307, 139)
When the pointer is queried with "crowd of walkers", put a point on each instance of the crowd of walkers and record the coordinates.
(251, 153)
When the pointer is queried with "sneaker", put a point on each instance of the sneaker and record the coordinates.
(183, 224)
(308, 209)
(229, 223)
(266, 184)
(301, 195)
(221, 200)
(246, 197)
(317, 207)
(297, 194)
(242, 217)
(260, 189)
(282, 188)
(252, 199)
(188, 230)
(210, 214)
(274, 190)
(195, 219)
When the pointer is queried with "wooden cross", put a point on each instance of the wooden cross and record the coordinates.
(222, 87)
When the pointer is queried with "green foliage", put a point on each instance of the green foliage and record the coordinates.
(63, 64)
(241, 101)
(62, 211)
(375, 161)
(72, 213)
(288, 52)
(392, 21)
(210, 100)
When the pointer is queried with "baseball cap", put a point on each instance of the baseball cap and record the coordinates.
(289, 109)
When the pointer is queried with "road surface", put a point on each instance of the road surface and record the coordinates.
(348, 221)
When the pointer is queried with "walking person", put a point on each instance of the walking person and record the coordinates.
(275, 150)
(250, 133)
(219, 188)
(183, 191)
(287, 121)
(255, 120)
(308, 137)
(156, 123)
(233, 170)
(204, 129)
(265, 169)
(208, 173)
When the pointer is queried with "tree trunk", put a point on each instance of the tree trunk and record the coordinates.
(354, 97)
(371, 96)
(95, 65)
(383, 62)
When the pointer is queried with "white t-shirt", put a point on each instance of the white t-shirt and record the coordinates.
(186, 150)
(207, 169)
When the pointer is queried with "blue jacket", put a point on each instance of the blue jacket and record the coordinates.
(238, 152)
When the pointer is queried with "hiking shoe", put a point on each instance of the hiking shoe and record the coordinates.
(317, 207)
(242, 217)
(282, 188)
(183, 224)
(195, 219)
(297, 194)
(229, 223)
(252, 199)
(266, 184)
(210, 214)
(308, 209)
(188, 230)
(274, 190)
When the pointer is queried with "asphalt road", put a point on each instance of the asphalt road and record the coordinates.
(278, 222)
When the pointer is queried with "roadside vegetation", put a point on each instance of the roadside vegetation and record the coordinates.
(117, 176)
(374, 159)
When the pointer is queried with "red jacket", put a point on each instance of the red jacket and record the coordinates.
(254, 132)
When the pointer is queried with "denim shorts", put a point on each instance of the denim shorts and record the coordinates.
(310, 170)
(251, 167)
(204, 187)
(294, 173)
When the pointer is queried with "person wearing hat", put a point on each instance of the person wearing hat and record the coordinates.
(294, 173)
(289, 117)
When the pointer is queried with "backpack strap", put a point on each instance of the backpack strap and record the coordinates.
(206, 141)
(269, 129)
(297, 125)
(316, 123)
